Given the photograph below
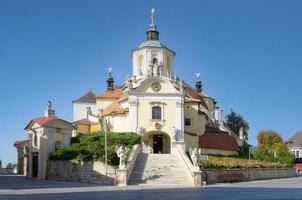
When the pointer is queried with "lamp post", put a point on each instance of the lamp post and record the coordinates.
(105, 132)
(103, 124)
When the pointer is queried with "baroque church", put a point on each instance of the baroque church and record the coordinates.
(157, 104)
(154, 102)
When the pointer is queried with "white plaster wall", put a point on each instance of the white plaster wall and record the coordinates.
(294, 150)
(80, 110)
(101, 103)
(120, 123)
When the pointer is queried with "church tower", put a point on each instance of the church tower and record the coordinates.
(152, 58)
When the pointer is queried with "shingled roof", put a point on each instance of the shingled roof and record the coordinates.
(216, 139)
(89, 97)
(295, 140)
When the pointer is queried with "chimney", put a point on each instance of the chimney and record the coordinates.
(49, 111)
(198, 84)
(110, 80)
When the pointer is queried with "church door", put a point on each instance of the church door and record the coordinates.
(35, 166)
(157, 144)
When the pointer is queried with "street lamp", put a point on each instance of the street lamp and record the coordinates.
(104, 125)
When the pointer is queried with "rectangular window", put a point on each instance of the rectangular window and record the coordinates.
(188, 122)
(156, 112)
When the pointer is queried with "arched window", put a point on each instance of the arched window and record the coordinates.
(140, 61)
(57, 145)
(154, 61)
(156, 112)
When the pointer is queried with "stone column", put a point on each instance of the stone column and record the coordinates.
(133, 113)
(179, 124)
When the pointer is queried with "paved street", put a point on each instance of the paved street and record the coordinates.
(17, 187)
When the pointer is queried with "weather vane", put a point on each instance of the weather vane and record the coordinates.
(197, 75)
(152, 15)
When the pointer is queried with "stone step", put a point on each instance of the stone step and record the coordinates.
(159, 169)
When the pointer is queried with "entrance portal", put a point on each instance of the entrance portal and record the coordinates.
(157, 144)
(35, 166)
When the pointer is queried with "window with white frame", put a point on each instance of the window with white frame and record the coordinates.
(156, 112)
(188, 121)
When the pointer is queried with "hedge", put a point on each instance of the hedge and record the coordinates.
(220, 162)
(91, 146)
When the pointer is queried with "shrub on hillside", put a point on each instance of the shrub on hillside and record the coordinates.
(91, 146)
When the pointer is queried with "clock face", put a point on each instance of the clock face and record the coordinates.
(156, 86)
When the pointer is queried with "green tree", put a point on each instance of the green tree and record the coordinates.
(244, 150)
(271, 148)
(235, 122)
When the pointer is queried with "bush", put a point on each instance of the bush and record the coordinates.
(271, 148)
(91, 146)
(220, 162)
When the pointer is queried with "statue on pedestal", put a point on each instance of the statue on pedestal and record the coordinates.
(195, 155)
(174, 133)
(121, 152)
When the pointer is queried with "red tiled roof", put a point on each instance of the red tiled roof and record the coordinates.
(194, 95)
(112, 94)
(216, 139)
(43, 120)
(18, 142)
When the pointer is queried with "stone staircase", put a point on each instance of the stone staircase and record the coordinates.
(159, 169)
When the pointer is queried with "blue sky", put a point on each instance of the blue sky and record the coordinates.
(248, 52)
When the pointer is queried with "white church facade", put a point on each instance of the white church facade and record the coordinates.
(158, 105)
(154, 102)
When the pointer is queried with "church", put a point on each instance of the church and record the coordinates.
(171, 116)
(158, 105)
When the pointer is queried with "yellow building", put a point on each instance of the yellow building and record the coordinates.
(45, 135)
(158, 105)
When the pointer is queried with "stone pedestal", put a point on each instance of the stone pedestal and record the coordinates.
(197, 179)
(121, 177)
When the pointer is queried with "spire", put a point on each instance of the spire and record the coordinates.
(198, 84)
(110, 80)
(152, 33)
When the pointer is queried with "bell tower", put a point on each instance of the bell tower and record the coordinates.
(152, 58)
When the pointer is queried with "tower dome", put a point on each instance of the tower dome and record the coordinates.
(152, 58)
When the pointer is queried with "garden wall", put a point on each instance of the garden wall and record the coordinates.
(235, 175)
(77, 171)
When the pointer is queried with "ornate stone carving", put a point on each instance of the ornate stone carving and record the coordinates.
(89, 111)
(156, 87)
(241, 134)
(174, 133)
(195, 155)
(179, 103)
(121, 152)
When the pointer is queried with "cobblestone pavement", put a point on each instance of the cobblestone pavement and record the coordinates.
(17, 187)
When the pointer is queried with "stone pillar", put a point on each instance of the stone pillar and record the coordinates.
(133, 113)
(179, 124)
(121, 177)
(25, 166)
(197, 178)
